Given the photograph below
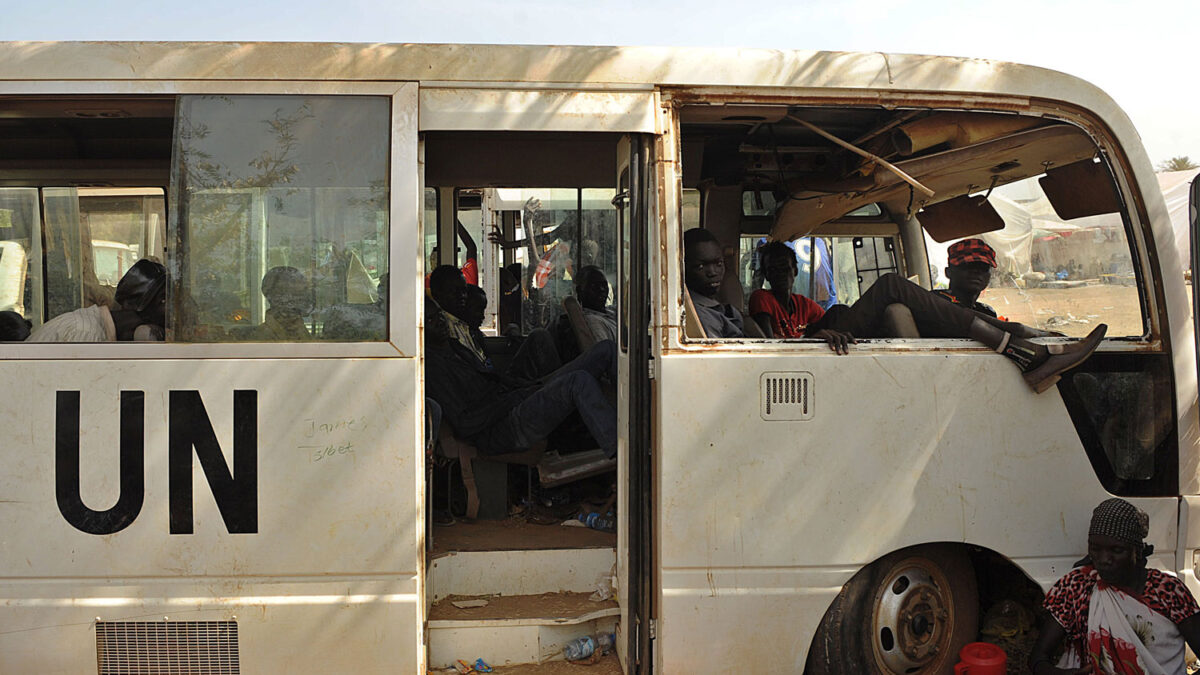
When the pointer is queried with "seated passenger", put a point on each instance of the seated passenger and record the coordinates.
(142, 316)
(500, 413)
(289, 296)
(591, 287)
(537, 355)
(359, 321)
(969, 270)
(780, 313)
(1113, 613)
(704, 269)
(13, 327)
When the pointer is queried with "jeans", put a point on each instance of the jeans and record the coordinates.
(574, 387)
(934, 316)
(536, 357)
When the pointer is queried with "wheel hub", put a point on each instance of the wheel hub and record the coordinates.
(912, 618)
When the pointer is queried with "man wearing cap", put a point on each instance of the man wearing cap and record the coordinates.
(142, 316)
(969, 270)
(1116, 616)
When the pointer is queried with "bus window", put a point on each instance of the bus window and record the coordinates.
(571, 228)
(283, 218)
(1066, 264)
(1060, 275)
(830, 270)
(87, 241)
(20, 253)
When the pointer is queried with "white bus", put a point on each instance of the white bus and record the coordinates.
(243, 498)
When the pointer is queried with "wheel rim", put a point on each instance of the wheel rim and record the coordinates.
(913, 616)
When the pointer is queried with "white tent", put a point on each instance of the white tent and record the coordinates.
(1175, 187)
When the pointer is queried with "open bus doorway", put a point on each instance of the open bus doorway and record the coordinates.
(514, 531)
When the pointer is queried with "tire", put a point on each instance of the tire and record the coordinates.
(909, 612)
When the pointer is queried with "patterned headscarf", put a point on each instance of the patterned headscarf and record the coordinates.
(1120, 520)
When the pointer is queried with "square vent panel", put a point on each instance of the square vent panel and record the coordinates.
(167, 648)
(786, 396)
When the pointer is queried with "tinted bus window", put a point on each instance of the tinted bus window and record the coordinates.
(282, 219)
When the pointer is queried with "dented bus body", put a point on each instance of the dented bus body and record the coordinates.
(261, 498)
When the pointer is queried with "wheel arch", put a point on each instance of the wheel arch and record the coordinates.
(996, 579)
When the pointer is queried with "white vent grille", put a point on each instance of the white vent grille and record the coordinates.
(167, 648)
(786, 396)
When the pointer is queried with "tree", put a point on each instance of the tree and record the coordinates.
(1181, 163)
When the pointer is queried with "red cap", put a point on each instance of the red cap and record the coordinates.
(971, 250)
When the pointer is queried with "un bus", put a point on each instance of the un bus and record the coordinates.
(234, 500)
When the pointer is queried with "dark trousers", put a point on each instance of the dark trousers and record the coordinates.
(537, 356)
(574, 387)
(934, 316)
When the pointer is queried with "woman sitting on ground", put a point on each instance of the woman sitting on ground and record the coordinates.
(1116, 616)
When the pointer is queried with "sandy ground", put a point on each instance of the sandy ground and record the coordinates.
(1074, 311)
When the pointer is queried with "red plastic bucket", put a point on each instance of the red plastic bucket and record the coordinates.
(981, 658)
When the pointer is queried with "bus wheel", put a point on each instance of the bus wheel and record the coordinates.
(909, 612)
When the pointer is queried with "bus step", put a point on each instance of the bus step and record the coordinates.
(514, 629)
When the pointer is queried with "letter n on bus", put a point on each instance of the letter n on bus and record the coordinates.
(236, 492)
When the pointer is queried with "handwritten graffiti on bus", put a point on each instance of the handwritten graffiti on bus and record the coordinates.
(189, 427)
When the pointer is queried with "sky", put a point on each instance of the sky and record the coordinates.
(1139, 52)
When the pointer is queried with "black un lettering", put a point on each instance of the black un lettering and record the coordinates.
(234, 491)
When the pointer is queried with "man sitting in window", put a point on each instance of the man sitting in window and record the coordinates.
(703, 271)
(969, 269)
(779, 312)
(1041, 365)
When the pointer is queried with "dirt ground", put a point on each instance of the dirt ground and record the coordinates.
(1074, 311)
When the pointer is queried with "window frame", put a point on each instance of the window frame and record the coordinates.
(1140, 239)
(405, 209)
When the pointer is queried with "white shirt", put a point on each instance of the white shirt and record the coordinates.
(90, 324)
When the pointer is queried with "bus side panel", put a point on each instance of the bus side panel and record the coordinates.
(320, 484)
(763, 521)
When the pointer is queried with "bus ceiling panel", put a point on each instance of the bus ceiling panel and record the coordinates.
(511, 159)
(87, 107)
(525, 110)
(47, 173)
(949, 173)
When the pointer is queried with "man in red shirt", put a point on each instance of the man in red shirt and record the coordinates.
(779, 312)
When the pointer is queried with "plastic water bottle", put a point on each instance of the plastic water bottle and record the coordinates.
(605, 642)
(579, 648)
(597, 521)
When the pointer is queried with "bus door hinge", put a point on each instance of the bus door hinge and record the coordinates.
(650, 369)
(653, 629)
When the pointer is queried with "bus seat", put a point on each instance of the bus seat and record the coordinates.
(751, 328)
(691, 321)
(495, 483)
(579, 325)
